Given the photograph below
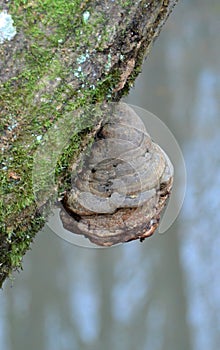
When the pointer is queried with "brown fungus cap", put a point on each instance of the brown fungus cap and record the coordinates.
(122, 185)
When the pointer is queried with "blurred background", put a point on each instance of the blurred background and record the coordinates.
(163, 294)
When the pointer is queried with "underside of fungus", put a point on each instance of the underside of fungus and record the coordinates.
(121, 186)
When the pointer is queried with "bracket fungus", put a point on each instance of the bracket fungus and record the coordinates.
(121, 186)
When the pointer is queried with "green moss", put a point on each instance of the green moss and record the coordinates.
(18, 193)
(59, 12)
(126, 3)
(18, 244)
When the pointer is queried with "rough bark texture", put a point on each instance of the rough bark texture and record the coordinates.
(65, 55)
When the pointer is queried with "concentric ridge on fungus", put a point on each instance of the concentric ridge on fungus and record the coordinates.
(121, 187)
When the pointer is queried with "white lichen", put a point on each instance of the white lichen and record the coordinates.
(39, 137)
(108, 63)
(7, 30)
(83, 58)
(86, 16)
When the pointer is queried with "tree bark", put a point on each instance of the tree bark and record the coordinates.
(65, 55)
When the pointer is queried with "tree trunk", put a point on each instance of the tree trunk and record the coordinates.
(65, 55)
